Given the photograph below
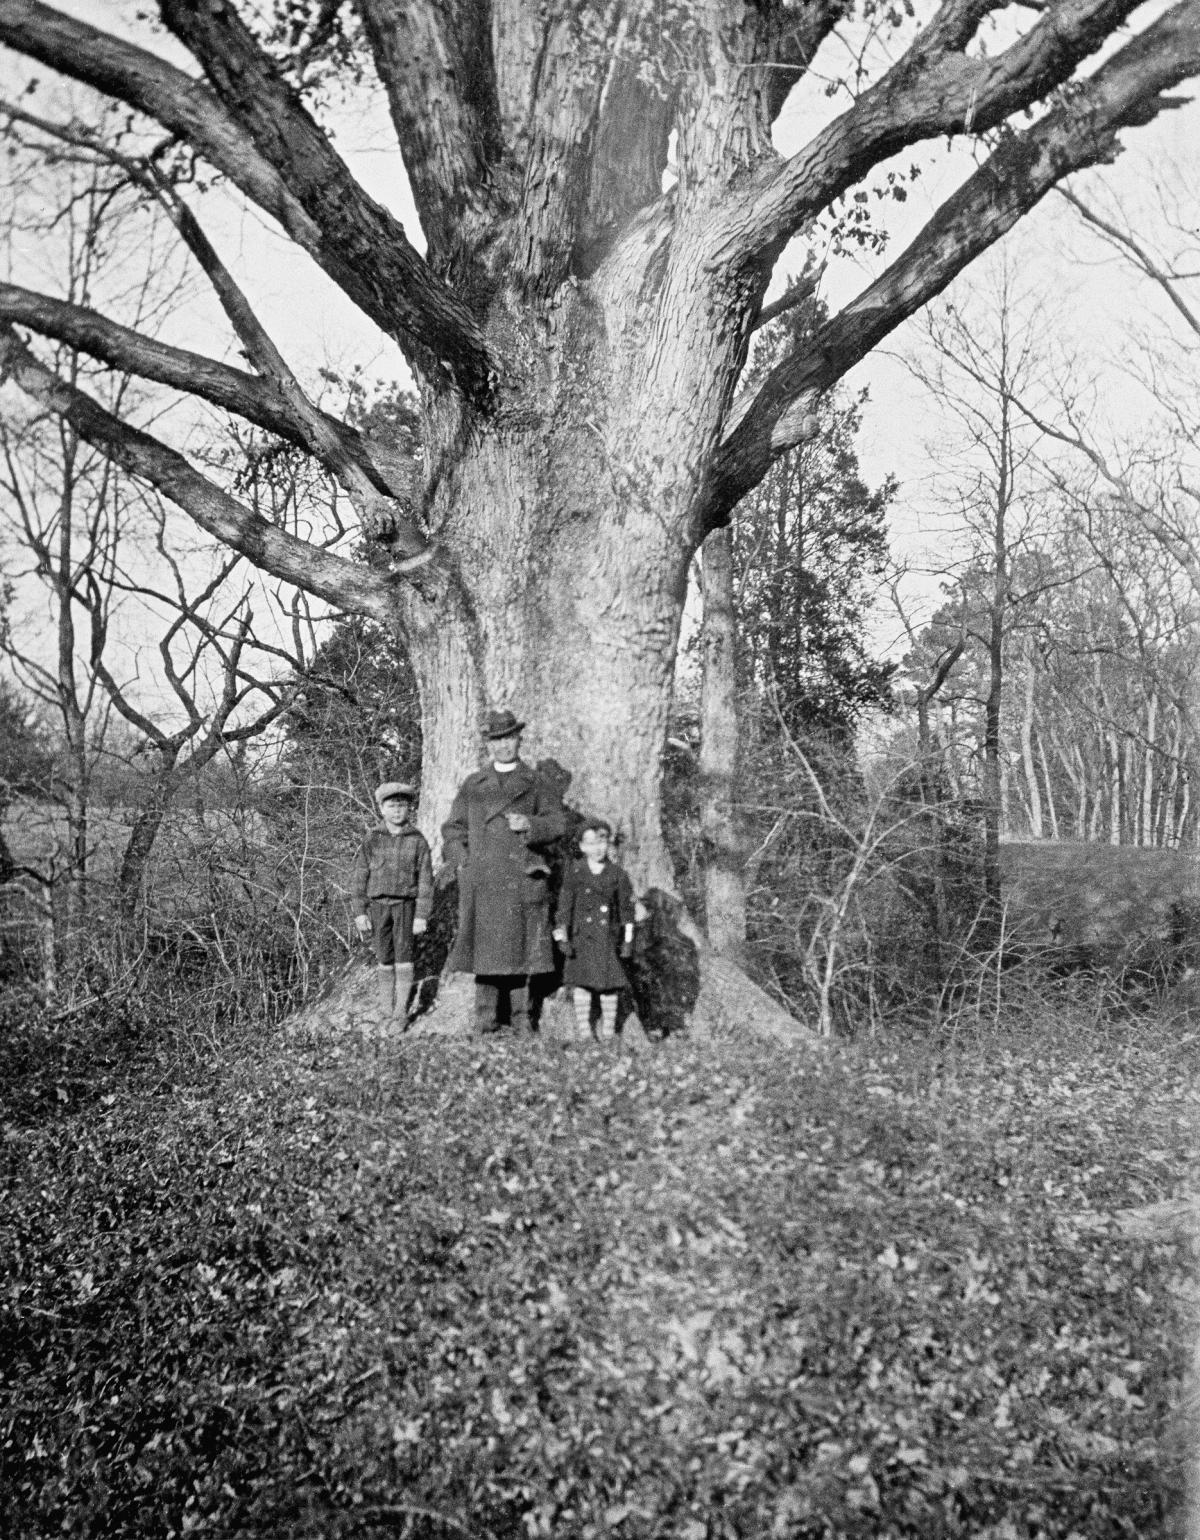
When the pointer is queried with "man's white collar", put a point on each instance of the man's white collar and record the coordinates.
(504, 769)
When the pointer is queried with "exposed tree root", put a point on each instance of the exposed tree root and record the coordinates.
(730, 1003)
(726, 1004)
(680, 986)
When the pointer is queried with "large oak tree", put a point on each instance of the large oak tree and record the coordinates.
(578, 322)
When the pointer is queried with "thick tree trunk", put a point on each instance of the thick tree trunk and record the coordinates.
(568, 514)
(577, 328)
(582, 653)
(563, 511)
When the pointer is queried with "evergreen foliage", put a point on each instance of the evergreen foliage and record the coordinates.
(810, 551)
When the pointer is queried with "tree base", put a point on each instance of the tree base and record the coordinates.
(726, 1004)
(731, 1004)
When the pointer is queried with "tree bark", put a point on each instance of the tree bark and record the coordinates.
(993, 701)
(932, 766)
(1146, 830)
(1032, 791)
(724, 871)
(1051, 805)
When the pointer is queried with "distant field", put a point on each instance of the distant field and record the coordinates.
(1096, 896)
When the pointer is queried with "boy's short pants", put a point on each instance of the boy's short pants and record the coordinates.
(391, 928)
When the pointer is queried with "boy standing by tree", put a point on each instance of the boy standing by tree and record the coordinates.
(393, 894)
(594, 928)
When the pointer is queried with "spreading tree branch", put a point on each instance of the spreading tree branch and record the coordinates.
(435, 64)
(346, 584)
(233, 390)
(365, 249)
(374, 481)
(1128, 90)
(1127, 244)
(934, 89)
(253, 129)
(803, 30)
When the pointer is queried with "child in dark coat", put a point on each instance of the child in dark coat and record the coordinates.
(393, 894)
(594, 927)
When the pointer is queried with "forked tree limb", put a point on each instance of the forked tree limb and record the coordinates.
(1125, 242)
(306, 187)
(803, 30)
(1127, 90)
(349, 585)
(132, 352)
(435, 66)
(374, 477)
(934, 89)
(363, 246)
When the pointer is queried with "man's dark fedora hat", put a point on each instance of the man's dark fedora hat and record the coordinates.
(501, 724)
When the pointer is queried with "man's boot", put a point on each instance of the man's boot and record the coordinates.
(404, 978)
(487, 997)
(518, 1009)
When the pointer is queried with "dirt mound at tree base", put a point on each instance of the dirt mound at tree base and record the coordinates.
(728, 1003)
(351, 1007)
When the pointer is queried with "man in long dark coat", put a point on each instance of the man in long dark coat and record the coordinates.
(499, 818)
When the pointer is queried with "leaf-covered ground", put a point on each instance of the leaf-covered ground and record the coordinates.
(519, 1289)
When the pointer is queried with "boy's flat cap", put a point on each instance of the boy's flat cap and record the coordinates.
(395, 789)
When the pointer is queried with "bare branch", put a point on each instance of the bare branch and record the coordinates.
(1181, 546)
(800, 292)
(570, 86)
(1127, 90)
(341, 582)
(435, 64)
(233, 390)
(934, 89)
(255, 131)
(172, 98)
(364, 248)
(373, 485)
(804, 30)
(1125, 242)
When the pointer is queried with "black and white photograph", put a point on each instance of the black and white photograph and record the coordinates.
(600, 769)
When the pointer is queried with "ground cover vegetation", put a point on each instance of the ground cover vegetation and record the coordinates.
(292, 1285)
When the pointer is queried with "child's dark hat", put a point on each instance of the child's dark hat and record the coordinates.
(395, 789)
(501, 724)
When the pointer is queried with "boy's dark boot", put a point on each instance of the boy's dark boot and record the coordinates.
(518, 1007)
(487, 998)
(404, 978)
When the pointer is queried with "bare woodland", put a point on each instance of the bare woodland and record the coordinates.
(602, 209)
